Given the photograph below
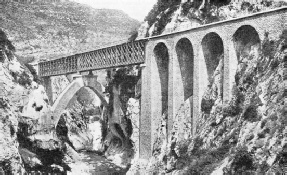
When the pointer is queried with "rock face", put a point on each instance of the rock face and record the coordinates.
(133, 114)
(120, 114)
(173, 16)
(71, 129)
(37, 103)
(24, 146)
(10, 74)
(9, 157)
(82, 123)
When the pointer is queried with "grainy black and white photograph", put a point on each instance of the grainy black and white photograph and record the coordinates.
(143, 87)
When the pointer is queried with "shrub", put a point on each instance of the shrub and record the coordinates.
(230, 110)
(206, 105)
(160, 6)
(220, 152)
(3, 103)
(274, 64)
(197, 143)
(133, 36)
(233, 107)
(205, 161)
(242, 162)
(250, 114)
(262, 168)
(23, 78)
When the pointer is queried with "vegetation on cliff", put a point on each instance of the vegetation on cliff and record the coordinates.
(169, 16)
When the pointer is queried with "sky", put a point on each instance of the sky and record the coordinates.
(136, 9)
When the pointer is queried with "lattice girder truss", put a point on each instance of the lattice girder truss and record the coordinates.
(115, 56)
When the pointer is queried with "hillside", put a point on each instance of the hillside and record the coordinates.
(49, 31)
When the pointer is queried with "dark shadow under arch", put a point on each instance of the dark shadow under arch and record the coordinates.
(185, 55)
(244, 38)
(162, 61)
(213, 51)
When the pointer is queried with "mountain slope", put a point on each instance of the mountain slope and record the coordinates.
(49, 31)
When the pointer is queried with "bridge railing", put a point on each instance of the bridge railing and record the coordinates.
(114, 56)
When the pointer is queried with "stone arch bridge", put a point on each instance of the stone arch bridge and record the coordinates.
(175, 67)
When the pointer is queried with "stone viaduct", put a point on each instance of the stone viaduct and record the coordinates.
(175, 67)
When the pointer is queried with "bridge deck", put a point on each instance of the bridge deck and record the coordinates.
(115, 56)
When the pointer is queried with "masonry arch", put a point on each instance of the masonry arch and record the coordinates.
(213, 51)
(68, 94)
(185, 56)
(246, 39)
(162, 75)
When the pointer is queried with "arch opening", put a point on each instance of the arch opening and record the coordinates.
(84, 106)
(213, 51)
(162, 62)
(246, 40)
(69, 95)
(185, 55)
(88, 98)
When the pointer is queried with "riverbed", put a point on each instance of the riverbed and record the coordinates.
(94, 164)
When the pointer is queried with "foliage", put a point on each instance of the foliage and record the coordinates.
(22, 78)
(159, 7)
(3, 102)
(133, 35)
(205, 161)
(206, 105)
(250, 114)
(242, 162)
(197, 143)
(233, 107)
